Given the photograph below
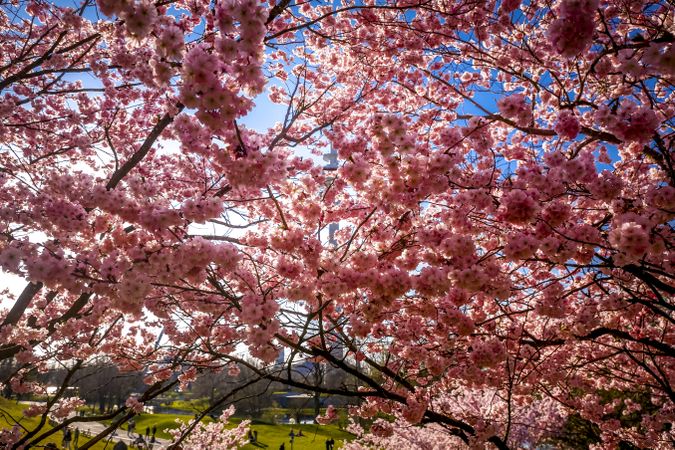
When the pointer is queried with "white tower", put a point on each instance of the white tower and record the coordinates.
(332, 159)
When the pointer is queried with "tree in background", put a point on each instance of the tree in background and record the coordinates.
(505, 200)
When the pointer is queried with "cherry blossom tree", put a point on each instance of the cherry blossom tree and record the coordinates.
(505, 197)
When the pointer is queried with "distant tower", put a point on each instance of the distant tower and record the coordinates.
(332, 159)
(281, 360)
(159, 338)
(332, 164)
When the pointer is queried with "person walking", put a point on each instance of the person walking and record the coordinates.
(147, 432)
(76, 438)
(67, 438)
(130, 427)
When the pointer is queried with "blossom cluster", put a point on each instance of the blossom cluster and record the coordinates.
(214, 436)
(572, 32)
(516, 107)
(567, 125)
(630, 122)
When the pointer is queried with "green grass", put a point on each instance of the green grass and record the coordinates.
(272, 436)
(269, 436)
(11, 411)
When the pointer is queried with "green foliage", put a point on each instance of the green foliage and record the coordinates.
(191, 406)
(578, 433)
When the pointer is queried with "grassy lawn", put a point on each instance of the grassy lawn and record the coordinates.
(269, 436)
(11, 411)
(272, 436)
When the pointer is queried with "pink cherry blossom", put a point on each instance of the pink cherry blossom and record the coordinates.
(462, 211)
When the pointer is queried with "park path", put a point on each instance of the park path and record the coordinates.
(94, 428)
